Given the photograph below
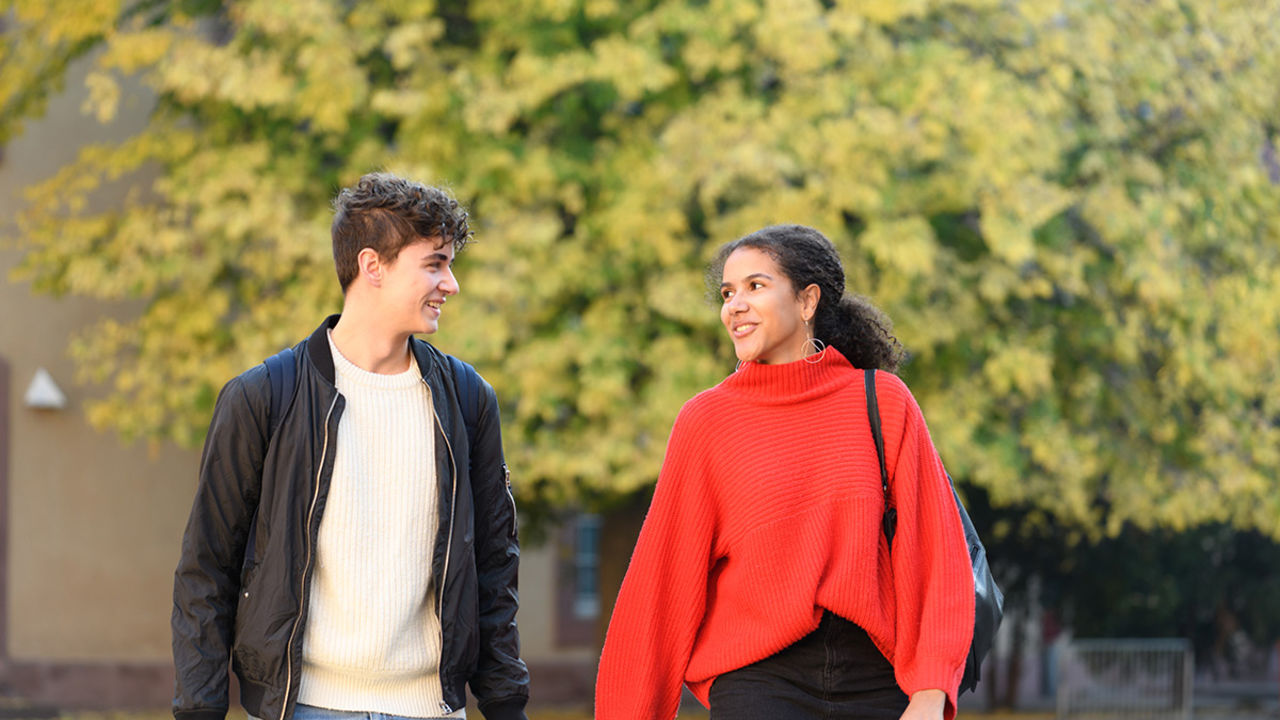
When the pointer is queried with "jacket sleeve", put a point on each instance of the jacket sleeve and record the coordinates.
(933, 580)
(501, 680)
(207, 580)
(663, 597)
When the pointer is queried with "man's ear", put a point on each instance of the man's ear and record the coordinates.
(370, 266)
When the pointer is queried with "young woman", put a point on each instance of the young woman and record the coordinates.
(762, 578)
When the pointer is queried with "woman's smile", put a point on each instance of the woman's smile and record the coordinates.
(764, 315)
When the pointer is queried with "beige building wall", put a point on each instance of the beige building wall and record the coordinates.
(539, 585)
(94, 526)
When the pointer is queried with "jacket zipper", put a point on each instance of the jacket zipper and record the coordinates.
(506, 476)
(448, 544)
(302, 589)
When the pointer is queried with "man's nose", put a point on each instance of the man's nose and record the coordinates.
(449, 283)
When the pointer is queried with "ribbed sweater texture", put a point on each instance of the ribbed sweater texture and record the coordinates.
(768, 510)
(372, 640)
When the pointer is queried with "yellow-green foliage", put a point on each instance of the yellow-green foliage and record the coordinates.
(1069, 207)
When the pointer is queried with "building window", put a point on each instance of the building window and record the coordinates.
(578, 582)
(586, 567)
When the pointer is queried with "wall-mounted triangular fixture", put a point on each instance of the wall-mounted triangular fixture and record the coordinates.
(43, 393)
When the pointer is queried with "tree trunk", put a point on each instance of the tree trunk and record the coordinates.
(619, 528)
(991, 679)
(1013, 674)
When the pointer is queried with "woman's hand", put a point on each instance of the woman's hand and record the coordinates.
(926, 705)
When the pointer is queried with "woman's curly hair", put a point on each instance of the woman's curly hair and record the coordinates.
(385, 212)
(846, 321)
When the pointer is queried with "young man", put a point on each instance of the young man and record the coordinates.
(361, 555)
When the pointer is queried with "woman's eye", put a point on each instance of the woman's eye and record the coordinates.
(756, 285)
(725, 294)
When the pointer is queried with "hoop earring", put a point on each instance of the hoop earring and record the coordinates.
(818, 346)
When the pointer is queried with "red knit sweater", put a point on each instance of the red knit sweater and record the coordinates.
(767, 511)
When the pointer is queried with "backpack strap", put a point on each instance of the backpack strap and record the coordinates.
(873, 417)
(467, 381)
(988, 600)
(283, 374)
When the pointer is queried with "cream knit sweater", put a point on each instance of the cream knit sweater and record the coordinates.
(372, 640)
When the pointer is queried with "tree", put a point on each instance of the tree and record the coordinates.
(1069, 207)
(1214, 585)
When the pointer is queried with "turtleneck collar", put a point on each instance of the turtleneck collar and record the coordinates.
(805, 379)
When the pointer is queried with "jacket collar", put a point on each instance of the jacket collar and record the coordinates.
(427, 357)
(318, 349)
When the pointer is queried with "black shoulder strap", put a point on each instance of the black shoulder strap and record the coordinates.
(873, 416)
(282, 372)
(467, 381)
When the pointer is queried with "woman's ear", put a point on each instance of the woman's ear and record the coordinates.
(809, 298)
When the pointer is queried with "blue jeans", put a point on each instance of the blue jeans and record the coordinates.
(833, 672)
(311, 712)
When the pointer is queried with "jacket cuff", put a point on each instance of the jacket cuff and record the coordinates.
(511, 708)
(201, 714)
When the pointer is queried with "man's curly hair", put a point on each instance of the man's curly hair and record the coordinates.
(385, 212)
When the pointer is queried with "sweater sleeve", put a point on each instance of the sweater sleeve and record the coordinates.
(933, 580)
(663, 595)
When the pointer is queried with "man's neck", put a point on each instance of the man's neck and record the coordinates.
(368, 346)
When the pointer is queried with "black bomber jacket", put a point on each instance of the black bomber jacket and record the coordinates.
(241, 585)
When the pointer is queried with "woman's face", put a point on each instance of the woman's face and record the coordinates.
(764, 316)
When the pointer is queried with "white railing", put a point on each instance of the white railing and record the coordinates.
(1125, 680)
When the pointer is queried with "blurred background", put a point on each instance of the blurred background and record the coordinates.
(1069, 208)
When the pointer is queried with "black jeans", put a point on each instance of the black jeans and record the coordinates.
(833, 672)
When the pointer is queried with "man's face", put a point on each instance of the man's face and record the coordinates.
(416, 284)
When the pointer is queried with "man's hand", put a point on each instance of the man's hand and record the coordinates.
(926, 705)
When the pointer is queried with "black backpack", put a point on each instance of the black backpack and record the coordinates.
(282, 373)
(988, 603)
